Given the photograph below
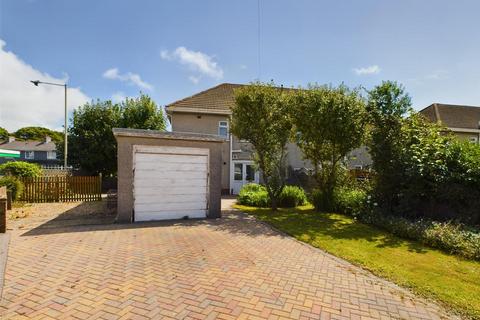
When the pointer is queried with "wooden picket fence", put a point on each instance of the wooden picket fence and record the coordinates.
(62, 189)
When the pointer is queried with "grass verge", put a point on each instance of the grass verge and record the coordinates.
(429, 272)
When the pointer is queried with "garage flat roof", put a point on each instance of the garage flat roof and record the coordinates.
(141, 133)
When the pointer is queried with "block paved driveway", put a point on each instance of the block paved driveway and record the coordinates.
(231, 268)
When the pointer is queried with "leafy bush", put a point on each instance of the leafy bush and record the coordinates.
(14, 185)
(292, 196)
(447, 236)
(430, 175)
(320, 201)
(20, 169)
(252, 187)
(256, 195)
(350, 201)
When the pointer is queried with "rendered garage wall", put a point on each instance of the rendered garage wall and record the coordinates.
(127, 138)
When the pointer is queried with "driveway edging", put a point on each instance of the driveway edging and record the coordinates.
(4, 242)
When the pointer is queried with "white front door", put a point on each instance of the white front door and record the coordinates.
(243, 172)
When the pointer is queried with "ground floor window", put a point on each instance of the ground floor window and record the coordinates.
(29, 155)
(238, 172)
(51, 155)
(250, 173)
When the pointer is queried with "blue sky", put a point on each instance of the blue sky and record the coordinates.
(172, 49)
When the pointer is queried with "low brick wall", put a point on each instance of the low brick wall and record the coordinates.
(3, 209)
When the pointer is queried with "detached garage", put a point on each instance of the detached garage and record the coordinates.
(167, 175)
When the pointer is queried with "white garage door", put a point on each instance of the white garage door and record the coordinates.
(170, 183)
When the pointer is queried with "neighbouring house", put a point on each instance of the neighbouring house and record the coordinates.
(208, 112)
(359, 159)
(41, 152)
(463, 121)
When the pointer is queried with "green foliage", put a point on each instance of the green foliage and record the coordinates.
(436, 176)
(321, 201)
(14, 185)
(21, 169)
(350, 201)
(141, 113)
(261, 116)
(252, 187)
(3, 133)
(330, 122)
(450, 237)
(292, 196)
(91, 143)
(256, 195)
(387, 105)
(38, 133)
(463, 161)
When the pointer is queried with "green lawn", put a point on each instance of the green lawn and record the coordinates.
(427, 271)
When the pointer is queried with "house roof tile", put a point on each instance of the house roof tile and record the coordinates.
(28, 145)
(453, 116)
(218, 99)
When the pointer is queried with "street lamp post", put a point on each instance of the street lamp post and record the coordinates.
(65, 151)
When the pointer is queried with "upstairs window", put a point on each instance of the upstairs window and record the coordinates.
(51, 155)
(223, 129)
(29, 155)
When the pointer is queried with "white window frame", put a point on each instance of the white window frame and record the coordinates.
(49, 155)
(29, 155)
(473, 139)
(223, 125)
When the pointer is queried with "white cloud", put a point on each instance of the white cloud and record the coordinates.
(22, 104)
(194, 79)
(195, 60)
(118, 96)
(165, 55)
(111, 73)
(130, 78)
(367, 70)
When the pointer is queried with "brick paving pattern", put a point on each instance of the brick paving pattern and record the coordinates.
(231, 268)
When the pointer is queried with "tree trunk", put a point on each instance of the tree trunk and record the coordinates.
(274, 203)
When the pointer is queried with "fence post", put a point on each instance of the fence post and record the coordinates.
(9, 200)
(3, 209)
(99, 190)
(57, 189)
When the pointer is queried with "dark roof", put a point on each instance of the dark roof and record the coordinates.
(218, 99)
(453, 116)
(29, 145)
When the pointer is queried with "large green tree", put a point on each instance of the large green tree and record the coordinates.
(387, 106)
(38, 133)
(141, 113)
(91, 144)
(330, 122)
(261, 116)
(3, 133)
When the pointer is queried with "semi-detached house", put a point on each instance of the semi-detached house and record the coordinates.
(208, 112)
